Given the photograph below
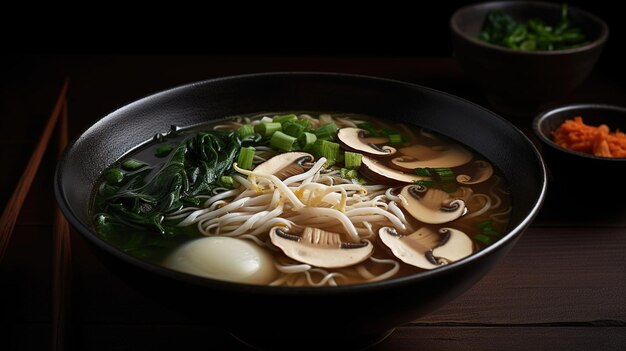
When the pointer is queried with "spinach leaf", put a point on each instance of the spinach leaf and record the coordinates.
(192, 168)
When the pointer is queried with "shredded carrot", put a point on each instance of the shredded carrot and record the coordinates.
(575, 135)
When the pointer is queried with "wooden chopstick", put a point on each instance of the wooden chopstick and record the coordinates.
(62, 259)
(13, 207)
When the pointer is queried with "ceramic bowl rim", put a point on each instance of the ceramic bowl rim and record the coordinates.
(599, 41)
(89, 234)
(544, 116)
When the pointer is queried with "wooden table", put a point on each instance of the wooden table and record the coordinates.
(563, 286)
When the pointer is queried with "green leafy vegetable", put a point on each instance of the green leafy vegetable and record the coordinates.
(193, 168)
(114, 176)
(163, 151)
(132, 165)
(533, 35)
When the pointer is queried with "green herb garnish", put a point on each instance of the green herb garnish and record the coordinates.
(533, 35)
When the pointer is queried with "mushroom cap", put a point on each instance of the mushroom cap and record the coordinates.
(285, 165)
(455, 246)
(426, 249)
(320, 248)
(377, 171)
(411, 249)
(440, 156)
(430, 205)
(483, 171)
(354, 139)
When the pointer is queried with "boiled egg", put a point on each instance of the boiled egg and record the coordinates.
(224, 258)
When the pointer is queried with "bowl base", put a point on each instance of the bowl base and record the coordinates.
(311, 342)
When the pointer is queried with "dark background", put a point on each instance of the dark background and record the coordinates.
(556, 290)
(299, 28)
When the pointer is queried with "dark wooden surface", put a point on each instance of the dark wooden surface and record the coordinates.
(563, 286)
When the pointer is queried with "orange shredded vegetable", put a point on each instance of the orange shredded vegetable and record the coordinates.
(575, 135)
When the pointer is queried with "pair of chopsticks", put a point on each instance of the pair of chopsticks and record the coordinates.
(61, 264)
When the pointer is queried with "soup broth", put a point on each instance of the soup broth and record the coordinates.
(301, 199)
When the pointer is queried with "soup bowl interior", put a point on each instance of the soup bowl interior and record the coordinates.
(356, 315)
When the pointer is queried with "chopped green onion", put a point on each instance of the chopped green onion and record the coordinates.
(440, 174)
(132, 165)
(228, 182)
(295, 128)
(395, 138)
(326, 132)
(268, 129)
(307, 140)
(484, 224)
(483, 239)
(424, 172)
(245, 131)
(284, 118)
(427, 183)
(349, 173)
(327, 149)
(282, 141)
(488, 228)
(246, 155)
(371, 131)
(107, 190)
(114, 176)
(352, 160)
(388, 131)
(162, 151)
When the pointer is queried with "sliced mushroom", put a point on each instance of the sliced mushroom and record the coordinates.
(455, 246)
(430, 205)
(320, 248)
(482, 171)
(356, 139)
(440, 156)
(378, 172)
(427, 249)
(285, 165)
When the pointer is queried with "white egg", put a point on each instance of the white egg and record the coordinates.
(224, 258)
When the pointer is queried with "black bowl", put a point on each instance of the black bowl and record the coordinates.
(355, 315)
(522, 83)
(572, 169)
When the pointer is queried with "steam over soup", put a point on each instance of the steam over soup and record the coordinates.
(302, 199)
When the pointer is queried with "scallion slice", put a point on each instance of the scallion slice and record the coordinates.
(352, 160)
(327, 149)
(282, 141)
(295, 128)
(246, 155)
(245, 131)
(284, 118)
(326, 132)
(268, 129)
